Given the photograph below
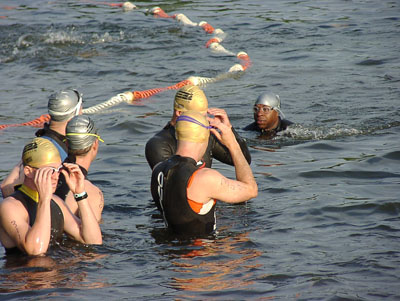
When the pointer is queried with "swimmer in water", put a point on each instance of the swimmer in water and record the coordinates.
(163, 144)
(267, 116)
(186, 192)
(62, 106)
(83, 145)
(33, 217)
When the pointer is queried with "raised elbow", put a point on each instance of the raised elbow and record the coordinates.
(254, 191)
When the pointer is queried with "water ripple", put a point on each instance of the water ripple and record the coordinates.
(354, 174)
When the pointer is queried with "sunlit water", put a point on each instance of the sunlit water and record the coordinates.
(325, 225)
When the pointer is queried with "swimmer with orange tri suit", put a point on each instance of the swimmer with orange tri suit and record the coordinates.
(62, 106)
(267, 116)
(33, 217)
(163, 145)
(186, 192)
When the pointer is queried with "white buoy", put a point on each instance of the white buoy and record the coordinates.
(236, 68)
(185, 20)
(218, 48)
(127, 6)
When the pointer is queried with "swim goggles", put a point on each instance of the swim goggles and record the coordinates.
(264, 109)
(55, 170)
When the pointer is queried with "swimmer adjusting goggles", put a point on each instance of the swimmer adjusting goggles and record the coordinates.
(192, 120)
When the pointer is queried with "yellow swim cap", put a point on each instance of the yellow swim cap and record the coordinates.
(191, 97)
(40, 152)
(192, 126)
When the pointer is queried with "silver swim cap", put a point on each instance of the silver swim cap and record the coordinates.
(81, 132)
(64, 104)
(271, 100)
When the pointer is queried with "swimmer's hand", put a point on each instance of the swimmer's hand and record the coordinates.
(43, 183)
(222, 132)
(221, 115)
(74, 177)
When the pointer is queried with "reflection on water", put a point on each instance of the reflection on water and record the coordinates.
(59, 270)
(208, 265)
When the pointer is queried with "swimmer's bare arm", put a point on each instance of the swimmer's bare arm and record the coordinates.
(95, 199)
(219, 187)
(15, 177)
(86, 229)
(222, 188)
(15, 220)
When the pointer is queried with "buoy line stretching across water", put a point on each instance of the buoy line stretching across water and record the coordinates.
(214, 44)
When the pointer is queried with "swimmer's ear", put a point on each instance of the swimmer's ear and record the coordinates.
(29, 171)
(95, 145)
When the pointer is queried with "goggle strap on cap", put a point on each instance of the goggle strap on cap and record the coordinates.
(280, 112)
(192, 120)
(74, 109)
(85, 134)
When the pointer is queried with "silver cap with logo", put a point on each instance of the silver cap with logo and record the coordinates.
(81, 132)
(64, 104)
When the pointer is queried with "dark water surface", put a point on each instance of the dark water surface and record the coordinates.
(325, 225)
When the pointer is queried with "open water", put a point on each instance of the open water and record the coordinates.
(325, 225)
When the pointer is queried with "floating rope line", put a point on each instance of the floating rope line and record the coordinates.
(126, 6)
(213, 43)
(122, 97)
(38, 122)
(130, 97)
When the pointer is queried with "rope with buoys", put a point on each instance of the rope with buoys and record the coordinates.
(126, 6)
(129, 97)
(213, 44)
(38, 122)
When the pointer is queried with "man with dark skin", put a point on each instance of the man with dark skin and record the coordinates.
(267, 116)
